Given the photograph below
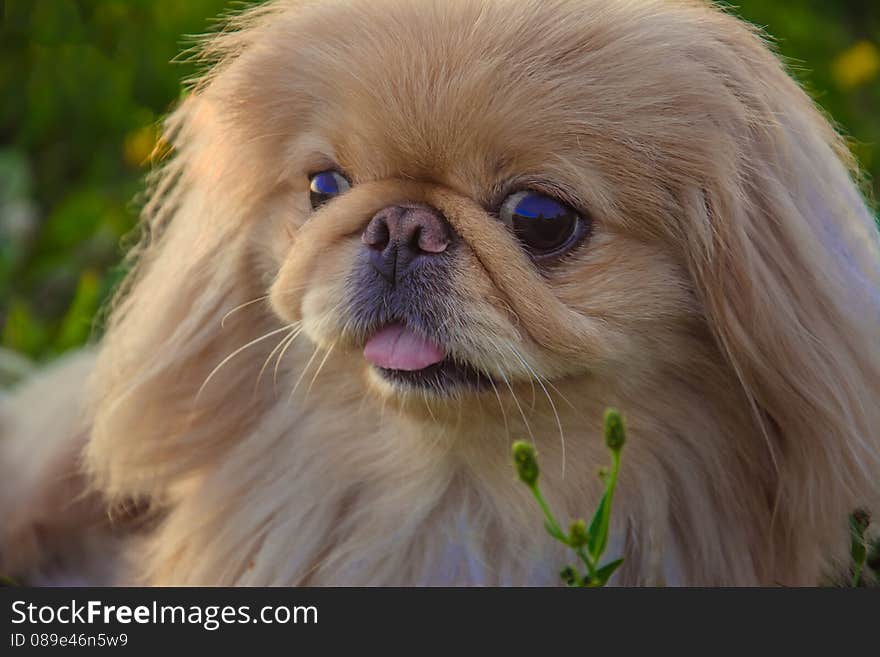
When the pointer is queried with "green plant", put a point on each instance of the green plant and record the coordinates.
(873, 560)
(859, 520)
(588, 543)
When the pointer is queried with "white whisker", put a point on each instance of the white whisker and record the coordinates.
(239, 307)
(549, 399)
(427, 403)
(320, 367)
(559, 392)
(281, 355)
(503, 410)
(516, 401)
(304, 370)
(234, 354)
(294, 331)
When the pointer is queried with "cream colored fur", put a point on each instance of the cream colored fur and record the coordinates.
(727, 301)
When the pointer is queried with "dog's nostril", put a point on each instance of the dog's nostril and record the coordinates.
(431, 236)
(376, 234)
(398, 234)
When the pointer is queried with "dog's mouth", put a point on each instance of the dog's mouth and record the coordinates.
(404, 357)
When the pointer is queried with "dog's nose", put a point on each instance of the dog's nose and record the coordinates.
(400, 235)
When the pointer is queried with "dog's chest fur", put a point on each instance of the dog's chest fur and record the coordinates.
(343, 497)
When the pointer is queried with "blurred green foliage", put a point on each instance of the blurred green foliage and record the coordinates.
(85, 83)
(833, 48)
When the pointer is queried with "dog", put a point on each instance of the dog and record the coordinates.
(393, 236)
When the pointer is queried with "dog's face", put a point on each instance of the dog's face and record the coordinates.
(625, 203)
(475, 194)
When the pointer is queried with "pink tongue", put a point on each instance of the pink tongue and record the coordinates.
(396, 347)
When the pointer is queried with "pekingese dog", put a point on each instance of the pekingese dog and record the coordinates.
(393, 236)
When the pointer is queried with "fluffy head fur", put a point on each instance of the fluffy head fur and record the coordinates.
(726, 300)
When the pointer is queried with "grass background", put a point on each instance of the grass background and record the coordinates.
(85, 82)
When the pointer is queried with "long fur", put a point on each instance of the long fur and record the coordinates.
(727, 301)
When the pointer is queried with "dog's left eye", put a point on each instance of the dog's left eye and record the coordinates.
(545, 226)
(324, 185)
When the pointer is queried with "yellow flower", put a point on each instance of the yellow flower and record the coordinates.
(858, 64)
(139, 145)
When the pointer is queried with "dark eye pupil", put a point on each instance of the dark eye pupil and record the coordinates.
(543, 223)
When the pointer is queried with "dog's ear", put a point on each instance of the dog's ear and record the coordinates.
(167, 329)
(784, 254)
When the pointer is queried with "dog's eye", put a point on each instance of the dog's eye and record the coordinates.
(324, 185)
(544, 225)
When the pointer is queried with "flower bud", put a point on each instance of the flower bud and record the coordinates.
(615, 434)
(526, 461)
(577, 535)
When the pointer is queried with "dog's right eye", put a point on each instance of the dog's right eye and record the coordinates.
(324, 185)
(545, 226)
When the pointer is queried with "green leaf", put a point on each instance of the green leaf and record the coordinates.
(606, 571)
(595, 532)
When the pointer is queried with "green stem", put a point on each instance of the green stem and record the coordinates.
(591, 567)
(549, 516)
(606, 511)
(857, 576)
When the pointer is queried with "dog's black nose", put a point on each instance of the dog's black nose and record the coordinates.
(400, 236)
